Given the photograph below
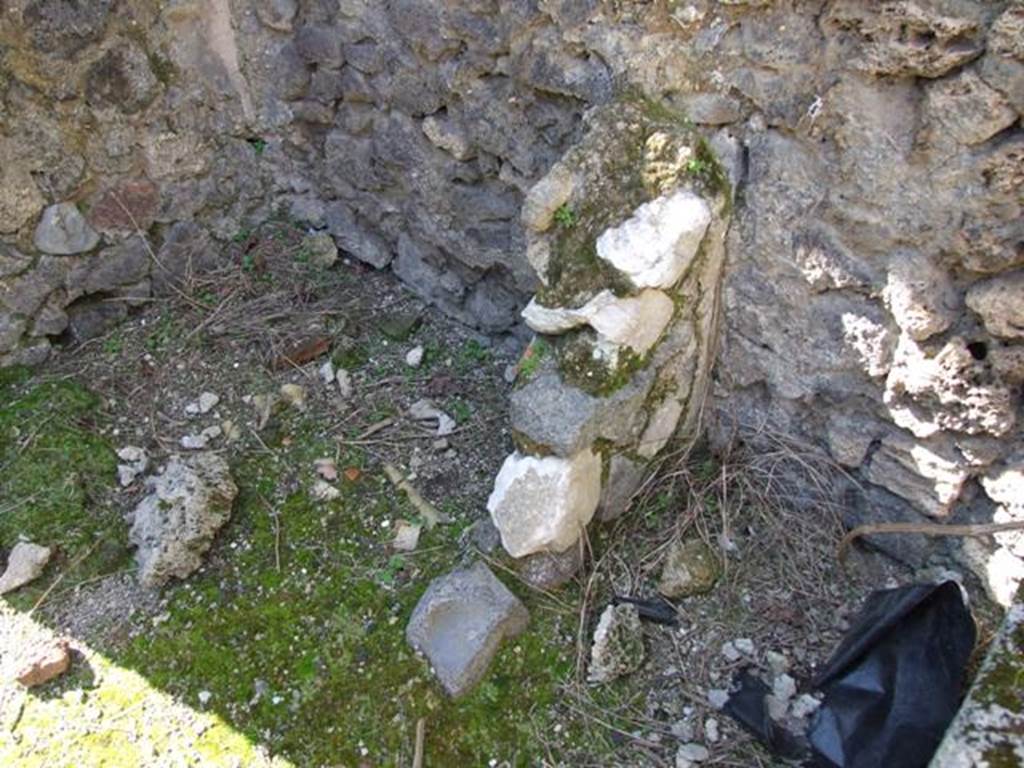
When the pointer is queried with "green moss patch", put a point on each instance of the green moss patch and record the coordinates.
(579, 367)
(634, 169)
(297, 627)
(292, 633)
(55, 471)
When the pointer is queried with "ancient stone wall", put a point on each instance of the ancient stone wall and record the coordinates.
(872, 299)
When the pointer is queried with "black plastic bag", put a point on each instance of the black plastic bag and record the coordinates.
(891, 688)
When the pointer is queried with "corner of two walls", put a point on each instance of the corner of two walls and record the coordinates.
(872, 305)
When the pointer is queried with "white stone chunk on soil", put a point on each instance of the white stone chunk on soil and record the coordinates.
(777, 663)
(326, 468)
(1000, 302)
(635, 321)
(175, 524)
(654, 247)
(745, 646)
(691, 754)
(425, 410)
(201, 441)
(460, 622)
(25, 564)
(327, 373)
(63, 231)
(717, 697)
(344, 379)
(414, 357)
(543, 504)
(407, 536)
(208, 401)
(618, 647)
(134, 462)
(324, 491)
(783, 691)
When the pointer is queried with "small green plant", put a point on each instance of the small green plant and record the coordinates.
(565, 216)
(242, 235)
(698, 166)
(657, 508)
(258, 145)
(389, 572)
(350, 355)
(161, 335)
(472, 355)
(113, 344)
(460, 411)
(532, 358)
(248, 262)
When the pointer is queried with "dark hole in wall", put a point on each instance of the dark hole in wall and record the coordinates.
(978, 349)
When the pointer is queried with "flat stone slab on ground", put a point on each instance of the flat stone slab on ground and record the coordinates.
(43, 664)
(460, 622)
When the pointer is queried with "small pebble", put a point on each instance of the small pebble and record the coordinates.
(777, 663)
(784, 687)
(745, 646)
(327, 373)
(323, 491)
(711, 732)
(344, 379)
(689, 754)
(730, 652)
(294, 395)
(208, 401)
(414, 357)
(683, 730)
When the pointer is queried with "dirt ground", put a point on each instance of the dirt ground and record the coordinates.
(287, 647)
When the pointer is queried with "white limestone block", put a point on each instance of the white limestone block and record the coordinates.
(543, 504)
(654, 247)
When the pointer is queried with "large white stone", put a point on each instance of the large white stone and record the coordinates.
(656, 245)
(634, 321)
(543, 504)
